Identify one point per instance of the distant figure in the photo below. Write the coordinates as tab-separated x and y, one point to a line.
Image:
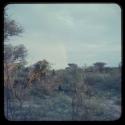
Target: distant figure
53	73
60	88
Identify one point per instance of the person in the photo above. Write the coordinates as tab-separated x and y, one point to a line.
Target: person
53	72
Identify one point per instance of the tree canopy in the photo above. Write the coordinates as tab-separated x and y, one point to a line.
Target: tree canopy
11	28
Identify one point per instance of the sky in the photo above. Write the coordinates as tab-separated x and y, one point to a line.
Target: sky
69	33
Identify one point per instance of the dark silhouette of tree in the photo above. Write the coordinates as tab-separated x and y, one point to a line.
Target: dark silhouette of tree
99	66
11	28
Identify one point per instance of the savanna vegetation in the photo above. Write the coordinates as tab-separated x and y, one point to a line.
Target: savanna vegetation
39	92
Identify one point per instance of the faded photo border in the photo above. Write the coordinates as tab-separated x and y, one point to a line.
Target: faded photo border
3	4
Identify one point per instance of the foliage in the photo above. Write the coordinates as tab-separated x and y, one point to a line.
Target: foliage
74	93
99	66
11	28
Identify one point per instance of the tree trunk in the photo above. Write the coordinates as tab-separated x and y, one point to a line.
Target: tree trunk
7	84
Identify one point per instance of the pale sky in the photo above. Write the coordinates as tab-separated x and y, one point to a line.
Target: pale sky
69	33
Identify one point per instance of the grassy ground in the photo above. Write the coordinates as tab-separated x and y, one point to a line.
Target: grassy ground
58	107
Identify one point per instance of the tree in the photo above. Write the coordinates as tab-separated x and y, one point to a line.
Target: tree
11	28
39	71
11	55
42	65
73	66
99	66
20	53
8	53
14	54
78	88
